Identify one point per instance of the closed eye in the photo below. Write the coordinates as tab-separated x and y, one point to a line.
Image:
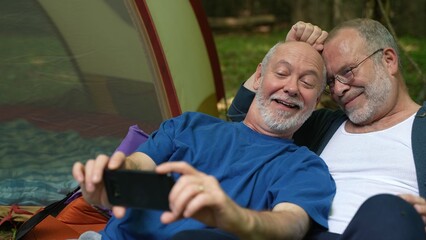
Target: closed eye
308	83
282	74
346	73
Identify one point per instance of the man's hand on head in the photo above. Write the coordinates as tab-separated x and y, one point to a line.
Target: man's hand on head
309	33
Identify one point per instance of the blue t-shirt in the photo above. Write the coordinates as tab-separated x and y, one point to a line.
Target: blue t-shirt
255	170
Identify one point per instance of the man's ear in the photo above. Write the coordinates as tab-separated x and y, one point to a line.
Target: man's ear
390	59
257	77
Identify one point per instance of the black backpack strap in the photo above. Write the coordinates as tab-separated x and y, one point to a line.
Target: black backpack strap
52	209
418	142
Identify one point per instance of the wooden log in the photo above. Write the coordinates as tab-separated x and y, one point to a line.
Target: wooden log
241	22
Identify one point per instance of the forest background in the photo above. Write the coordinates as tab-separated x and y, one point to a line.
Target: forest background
244	30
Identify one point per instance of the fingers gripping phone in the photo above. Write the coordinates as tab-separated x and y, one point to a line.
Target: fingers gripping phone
138	189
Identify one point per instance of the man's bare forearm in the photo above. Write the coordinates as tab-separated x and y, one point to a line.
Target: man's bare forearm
139	161
289	222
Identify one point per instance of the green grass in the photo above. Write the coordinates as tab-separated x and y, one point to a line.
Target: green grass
7	231
416	49
240	53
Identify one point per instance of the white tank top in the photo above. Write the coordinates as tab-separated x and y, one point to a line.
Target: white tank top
367	164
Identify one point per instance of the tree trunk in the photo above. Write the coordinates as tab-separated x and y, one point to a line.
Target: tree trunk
369	9
421	76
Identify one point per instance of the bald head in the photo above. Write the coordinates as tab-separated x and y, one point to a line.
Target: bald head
304	52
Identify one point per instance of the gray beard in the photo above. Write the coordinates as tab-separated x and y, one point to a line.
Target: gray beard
376	93
280	121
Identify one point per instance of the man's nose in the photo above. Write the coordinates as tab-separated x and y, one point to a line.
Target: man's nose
339	88
291	87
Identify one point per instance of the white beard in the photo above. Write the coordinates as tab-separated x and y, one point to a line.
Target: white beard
281	121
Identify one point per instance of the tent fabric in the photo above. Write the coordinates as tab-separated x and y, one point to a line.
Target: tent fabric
35	169
72	215
72	84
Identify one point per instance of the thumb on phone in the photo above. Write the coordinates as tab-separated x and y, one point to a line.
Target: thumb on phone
116	160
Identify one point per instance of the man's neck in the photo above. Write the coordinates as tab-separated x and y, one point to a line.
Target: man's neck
255	122
263	129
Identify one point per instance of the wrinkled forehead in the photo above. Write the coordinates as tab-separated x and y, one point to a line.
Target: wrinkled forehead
299	54
343	49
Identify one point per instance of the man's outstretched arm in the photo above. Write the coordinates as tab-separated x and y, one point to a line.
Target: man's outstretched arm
199	196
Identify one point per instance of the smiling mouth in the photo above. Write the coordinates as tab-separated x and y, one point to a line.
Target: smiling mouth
349	100
287	104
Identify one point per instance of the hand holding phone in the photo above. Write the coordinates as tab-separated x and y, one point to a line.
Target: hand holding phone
138	189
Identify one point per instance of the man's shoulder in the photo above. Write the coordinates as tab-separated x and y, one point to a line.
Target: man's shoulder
419	123
307	153
199	115
188	119
421	113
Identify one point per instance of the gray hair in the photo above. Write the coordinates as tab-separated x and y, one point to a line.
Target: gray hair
268	56
376	35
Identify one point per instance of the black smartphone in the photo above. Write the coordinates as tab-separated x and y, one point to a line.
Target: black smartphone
138	189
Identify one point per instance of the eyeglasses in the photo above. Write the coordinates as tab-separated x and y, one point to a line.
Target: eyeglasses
347	75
